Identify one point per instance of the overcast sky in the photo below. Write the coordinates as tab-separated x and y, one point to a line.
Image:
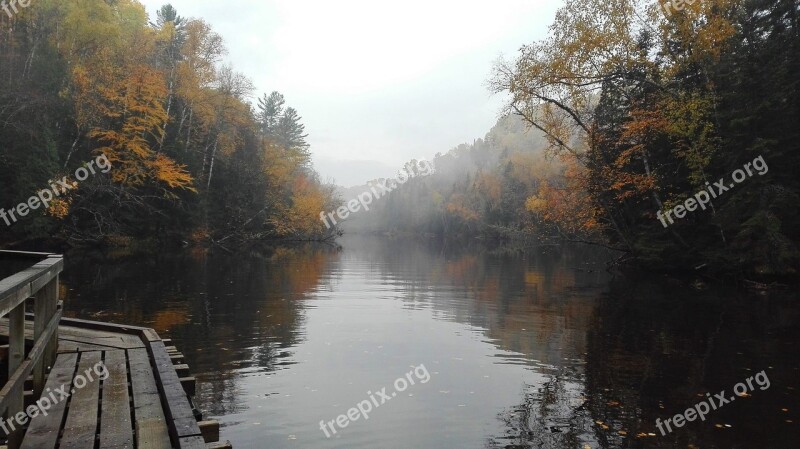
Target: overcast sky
376	82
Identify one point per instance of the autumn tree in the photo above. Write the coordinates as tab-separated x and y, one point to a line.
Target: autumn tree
188	159
638	99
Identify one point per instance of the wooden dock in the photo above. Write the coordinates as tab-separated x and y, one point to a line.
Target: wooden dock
75	384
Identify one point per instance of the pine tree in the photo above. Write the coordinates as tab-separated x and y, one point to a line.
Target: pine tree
290	133
270	112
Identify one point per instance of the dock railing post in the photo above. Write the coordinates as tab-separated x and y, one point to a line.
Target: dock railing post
44	307
16	354
39	283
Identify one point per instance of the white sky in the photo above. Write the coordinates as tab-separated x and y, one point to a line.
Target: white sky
377	83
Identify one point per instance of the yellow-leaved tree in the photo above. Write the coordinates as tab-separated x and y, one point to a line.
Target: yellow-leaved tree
119	97
135	105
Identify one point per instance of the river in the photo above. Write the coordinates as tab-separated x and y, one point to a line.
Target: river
537	349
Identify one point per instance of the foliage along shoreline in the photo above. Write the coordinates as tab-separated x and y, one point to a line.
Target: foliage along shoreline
193	160
607	125
621	113
649	109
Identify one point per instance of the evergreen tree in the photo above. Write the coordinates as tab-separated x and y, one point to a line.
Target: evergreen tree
290	133
270	112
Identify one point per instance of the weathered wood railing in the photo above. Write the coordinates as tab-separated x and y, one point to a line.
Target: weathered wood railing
38	283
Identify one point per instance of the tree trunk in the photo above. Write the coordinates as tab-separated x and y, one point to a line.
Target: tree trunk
211	165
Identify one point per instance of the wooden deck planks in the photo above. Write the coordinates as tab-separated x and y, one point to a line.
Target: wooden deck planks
179	410
89	337
81	426
74	346
44	429
192	443
116	430
117	340
150	421
140	404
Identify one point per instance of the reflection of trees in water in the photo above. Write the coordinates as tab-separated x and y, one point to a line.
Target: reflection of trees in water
228	314
218	394
551	415
537	306
657	346
254	315
651	346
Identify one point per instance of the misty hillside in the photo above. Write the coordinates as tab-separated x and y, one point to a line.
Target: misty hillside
479	187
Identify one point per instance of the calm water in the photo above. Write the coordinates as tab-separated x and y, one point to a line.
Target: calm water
538	350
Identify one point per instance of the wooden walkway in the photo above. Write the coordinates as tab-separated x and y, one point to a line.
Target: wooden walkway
136	392
75	384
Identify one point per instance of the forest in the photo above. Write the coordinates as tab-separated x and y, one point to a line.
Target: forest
193	159
591	238
625	111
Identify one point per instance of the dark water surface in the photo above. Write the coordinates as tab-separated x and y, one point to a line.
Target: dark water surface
538	350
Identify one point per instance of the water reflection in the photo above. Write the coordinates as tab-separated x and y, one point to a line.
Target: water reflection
656	347
543	348
226	314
